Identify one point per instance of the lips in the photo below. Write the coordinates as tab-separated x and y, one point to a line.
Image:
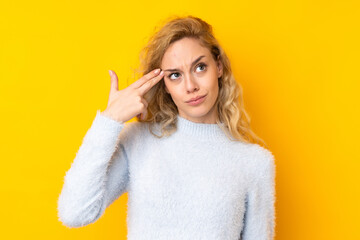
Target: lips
195	98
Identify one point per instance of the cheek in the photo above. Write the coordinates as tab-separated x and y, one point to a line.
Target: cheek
211	80
174	93
214	85
171	90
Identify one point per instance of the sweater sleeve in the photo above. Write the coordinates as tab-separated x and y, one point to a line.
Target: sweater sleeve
259	220
97	176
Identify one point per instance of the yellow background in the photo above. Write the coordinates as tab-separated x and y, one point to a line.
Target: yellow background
297	61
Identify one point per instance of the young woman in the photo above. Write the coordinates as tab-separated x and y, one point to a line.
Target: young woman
191	164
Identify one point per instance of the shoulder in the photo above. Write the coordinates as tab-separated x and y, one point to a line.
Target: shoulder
263	155
263	160
133	126
252	150
138	134
132	130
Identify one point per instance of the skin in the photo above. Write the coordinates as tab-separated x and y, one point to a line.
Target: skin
191	81
127	103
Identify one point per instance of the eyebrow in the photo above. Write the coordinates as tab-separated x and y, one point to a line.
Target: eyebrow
192	64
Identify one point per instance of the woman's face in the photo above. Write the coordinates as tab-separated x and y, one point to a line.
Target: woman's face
191	72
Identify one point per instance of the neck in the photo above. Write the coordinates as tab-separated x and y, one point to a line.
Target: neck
200	131
210	117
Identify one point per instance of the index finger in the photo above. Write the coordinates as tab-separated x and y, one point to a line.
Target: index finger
149	84
147	77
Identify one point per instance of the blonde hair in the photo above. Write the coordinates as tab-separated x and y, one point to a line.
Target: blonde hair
161	108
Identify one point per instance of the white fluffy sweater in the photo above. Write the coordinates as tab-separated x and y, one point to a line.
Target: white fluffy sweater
194	184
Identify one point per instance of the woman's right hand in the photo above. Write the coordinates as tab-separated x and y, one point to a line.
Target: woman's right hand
127	103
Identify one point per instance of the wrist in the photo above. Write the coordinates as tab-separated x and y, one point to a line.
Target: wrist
108	115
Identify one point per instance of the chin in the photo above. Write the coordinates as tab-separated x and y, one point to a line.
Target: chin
197	112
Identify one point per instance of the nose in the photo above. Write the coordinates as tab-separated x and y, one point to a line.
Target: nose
191	84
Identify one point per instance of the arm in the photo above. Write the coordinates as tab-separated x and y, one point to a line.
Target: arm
259	220
98	174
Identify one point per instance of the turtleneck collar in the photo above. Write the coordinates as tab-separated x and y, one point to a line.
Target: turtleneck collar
200	131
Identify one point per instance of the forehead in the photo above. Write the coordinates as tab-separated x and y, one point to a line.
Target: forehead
183	52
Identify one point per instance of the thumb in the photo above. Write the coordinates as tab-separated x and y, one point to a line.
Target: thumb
114	81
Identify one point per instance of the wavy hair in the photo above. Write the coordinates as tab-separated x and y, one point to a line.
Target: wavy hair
161	108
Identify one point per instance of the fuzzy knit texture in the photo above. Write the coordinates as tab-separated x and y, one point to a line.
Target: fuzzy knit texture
194	184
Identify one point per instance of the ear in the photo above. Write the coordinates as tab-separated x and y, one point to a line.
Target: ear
219	67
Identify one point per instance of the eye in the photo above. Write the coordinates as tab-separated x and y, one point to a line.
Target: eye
169	76
201	65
